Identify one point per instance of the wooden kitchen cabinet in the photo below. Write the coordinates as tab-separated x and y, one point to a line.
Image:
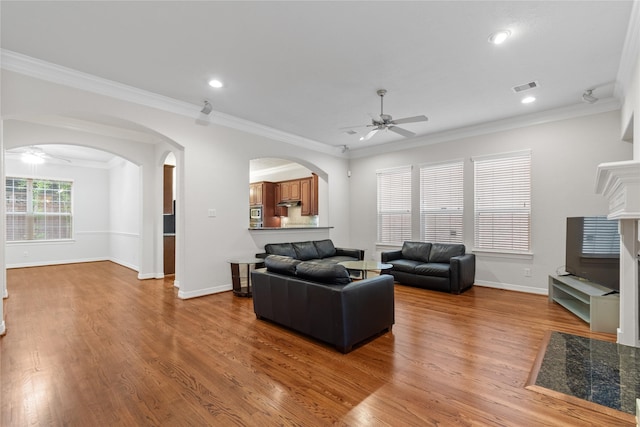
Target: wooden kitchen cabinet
309	195
255	194
167	187
169	254
279	210
290	190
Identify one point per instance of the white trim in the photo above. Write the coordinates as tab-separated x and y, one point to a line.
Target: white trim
510	287
573	111
203	292
5	294
3	328
442	162
146	276
630	52
59	262
394	169
33	67
124	264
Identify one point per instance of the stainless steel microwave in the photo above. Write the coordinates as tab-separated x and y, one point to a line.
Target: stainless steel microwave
255	212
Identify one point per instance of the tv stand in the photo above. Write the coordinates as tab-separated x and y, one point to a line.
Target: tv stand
591	302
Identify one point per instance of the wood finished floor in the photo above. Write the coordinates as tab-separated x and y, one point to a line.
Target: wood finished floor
90	345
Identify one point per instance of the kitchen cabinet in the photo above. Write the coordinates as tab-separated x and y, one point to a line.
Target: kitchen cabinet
290	190
279	210
255	194
264	193
169	254
309	195
167	190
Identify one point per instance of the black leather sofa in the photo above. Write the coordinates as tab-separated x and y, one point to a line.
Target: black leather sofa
321	301
319	251
437	266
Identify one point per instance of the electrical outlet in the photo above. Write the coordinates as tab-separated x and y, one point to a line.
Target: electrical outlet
527	272
212	213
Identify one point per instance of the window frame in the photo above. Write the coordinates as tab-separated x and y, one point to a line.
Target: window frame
446	201
501	169
35	212
388	206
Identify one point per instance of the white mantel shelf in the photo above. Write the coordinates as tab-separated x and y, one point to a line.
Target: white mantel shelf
619	182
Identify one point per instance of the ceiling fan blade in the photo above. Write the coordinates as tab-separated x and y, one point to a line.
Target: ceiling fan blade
400	131
353	127
409	120
369	135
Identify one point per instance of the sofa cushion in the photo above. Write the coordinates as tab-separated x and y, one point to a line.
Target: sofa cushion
281	264
285	249
325	248
305	250
442	252
417	251
436	269
406	265
324	273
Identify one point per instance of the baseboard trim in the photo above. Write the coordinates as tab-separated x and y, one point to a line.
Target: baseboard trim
510	287
60	262
204	292
3	329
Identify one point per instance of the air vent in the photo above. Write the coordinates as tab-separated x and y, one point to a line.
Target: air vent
526	86
351	132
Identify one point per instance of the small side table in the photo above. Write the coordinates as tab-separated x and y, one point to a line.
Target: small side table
242	284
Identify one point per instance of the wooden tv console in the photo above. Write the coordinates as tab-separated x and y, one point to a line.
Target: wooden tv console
593	303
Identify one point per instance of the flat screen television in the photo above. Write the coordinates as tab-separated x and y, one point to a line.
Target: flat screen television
593	250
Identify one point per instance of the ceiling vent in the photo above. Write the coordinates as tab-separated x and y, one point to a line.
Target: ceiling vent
526	86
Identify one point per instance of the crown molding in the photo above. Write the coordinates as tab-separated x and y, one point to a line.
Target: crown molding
548	116
33	67
630	52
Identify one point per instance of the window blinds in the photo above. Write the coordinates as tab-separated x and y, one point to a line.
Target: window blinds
503	202
600	236
394	205
441	202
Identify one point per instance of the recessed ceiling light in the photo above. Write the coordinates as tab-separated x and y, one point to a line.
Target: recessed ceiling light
528	100
215	83
499	36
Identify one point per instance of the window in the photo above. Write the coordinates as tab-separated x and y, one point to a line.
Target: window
503	202
600	236
38	209
441	202
394	205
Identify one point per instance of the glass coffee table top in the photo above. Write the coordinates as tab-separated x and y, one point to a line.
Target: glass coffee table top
365	266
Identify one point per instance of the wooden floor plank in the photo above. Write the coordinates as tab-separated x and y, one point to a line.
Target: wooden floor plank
89	344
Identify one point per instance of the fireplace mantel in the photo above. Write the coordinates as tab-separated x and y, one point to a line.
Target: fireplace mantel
619	182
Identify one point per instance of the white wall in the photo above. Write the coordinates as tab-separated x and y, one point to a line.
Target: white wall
565	155
212	173
90	216
124	213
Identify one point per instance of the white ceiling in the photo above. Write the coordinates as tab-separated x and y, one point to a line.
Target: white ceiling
311	68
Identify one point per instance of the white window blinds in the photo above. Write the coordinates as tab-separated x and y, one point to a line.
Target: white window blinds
503	202
600	236
394	205
37	209
441	202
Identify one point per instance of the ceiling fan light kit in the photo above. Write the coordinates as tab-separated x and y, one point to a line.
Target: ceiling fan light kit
386	121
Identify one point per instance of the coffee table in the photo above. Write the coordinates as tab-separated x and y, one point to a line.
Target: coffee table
365	266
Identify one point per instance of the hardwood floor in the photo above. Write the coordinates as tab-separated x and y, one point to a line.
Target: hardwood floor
90	345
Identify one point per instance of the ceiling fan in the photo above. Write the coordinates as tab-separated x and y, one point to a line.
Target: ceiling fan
386	121
34	154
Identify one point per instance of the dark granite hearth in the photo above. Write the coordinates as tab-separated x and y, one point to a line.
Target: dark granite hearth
594	371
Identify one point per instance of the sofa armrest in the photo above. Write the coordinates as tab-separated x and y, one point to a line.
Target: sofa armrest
463	272
390	255
354	253
367	308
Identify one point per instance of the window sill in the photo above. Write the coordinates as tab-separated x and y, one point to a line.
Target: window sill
41	242
489	253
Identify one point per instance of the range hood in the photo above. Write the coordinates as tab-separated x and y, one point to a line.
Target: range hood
289	203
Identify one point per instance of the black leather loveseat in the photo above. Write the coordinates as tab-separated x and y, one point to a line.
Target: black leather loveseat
319	251
438	266
321	301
